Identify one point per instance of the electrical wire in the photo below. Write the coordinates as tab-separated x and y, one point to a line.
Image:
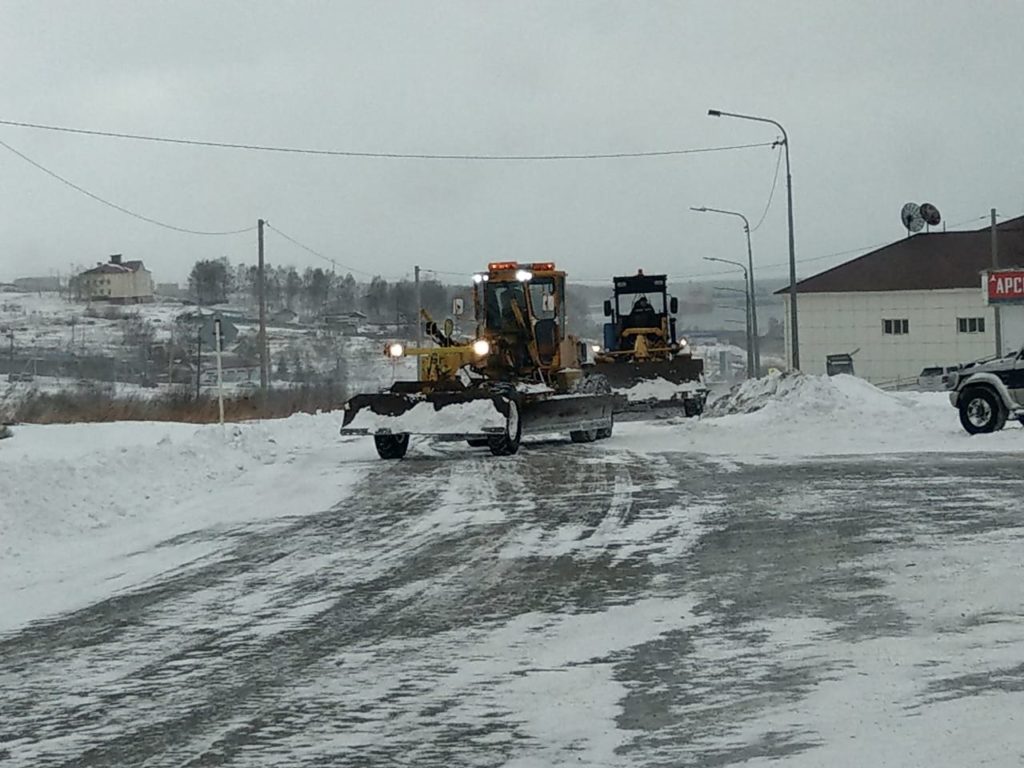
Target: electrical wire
771	194
115	206
385	155
317	253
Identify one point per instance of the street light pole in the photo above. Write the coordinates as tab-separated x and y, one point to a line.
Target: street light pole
746	289
794	331
753	289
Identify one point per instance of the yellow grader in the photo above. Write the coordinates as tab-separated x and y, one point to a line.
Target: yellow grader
520	373
649	368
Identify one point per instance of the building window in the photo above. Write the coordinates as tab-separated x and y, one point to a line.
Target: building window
896	327
970	325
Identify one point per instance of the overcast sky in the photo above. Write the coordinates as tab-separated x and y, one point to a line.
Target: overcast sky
884	103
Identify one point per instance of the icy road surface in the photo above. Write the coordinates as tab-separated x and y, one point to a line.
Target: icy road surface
572	605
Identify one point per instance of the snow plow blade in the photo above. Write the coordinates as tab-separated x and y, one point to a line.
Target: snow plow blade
656	388
466	415
454	415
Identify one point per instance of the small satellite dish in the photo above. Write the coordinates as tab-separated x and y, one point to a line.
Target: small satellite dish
911	216
930	214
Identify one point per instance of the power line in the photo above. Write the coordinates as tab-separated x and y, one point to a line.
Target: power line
386	155
771	194
317	253
113	205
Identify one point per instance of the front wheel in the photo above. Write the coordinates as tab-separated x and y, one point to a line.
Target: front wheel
981	411
605	432
507	443
391	446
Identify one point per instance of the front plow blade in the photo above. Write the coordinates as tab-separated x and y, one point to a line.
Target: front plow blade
453	415
656	389
567	413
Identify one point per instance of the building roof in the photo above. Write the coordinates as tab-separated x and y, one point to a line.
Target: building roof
119	269
931	261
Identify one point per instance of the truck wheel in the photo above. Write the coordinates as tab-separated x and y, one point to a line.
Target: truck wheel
981	411
605	432
391	446
508	443
693	408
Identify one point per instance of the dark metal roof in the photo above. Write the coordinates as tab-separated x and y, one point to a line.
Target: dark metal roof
931	261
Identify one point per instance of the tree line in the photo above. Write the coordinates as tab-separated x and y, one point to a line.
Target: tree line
315	291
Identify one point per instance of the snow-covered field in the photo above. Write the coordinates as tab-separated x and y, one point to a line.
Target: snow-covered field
811	578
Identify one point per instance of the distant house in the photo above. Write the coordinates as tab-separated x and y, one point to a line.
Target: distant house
346	322
284	316
10	288
38	284
117	281
170	290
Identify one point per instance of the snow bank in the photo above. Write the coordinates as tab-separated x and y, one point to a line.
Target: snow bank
784	416
77	500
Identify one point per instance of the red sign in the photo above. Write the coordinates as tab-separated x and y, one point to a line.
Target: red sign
1005	286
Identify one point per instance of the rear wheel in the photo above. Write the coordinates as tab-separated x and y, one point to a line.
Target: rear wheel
507	443
605	432
981	411
391	446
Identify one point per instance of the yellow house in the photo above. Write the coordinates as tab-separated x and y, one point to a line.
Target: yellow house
117	281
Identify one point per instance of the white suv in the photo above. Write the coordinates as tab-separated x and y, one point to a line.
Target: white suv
988	392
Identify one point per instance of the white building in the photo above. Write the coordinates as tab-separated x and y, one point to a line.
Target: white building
913	304
117	281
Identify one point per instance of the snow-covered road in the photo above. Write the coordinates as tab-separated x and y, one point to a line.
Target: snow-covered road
634	602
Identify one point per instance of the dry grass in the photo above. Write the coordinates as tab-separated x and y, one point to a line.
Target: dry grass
93	405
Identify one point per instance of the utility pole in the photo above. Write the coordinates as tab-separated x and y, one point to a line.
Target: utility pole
998	321
419	308
199	354
261	336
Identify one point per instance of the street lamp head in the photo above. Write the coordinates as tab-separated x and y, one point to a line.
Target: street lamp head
714	113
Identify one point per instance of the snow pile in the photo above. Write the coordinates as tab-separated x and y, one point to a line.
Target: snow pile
801	395
789	416
75	500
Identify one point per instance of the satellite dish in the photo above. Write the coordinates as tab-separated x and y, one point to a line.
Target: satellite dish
911	216
930	214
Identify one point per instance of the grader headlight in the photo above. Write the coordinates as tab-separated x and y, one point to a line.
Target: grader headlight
395	350
481	347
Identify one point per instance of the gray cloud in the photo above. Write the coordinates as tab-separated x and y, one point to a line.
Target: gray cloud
883	104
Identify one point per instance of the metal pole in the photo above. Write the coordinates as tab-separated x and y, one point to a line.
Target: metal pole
746	291
998	320
220	370
753	302
794	334
261	337
199	354
419	309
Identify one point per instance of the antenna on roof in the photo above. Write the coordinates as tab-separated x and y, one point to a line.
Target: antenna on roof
910	214
930	214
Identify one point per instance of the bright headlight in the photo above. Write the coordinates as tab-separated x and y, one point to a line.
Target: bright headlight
595	347
523	275
682	342
478	278
396	350
481	347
